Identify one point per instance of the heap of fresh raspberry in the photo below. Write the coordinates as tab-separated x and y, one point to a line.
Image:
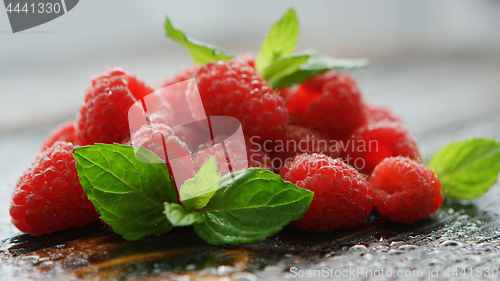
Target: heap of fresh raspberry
234	89
372	143
63	132
404	190
236	156
160	139
378	113
103	116
329	103
298	140
342	196
49	197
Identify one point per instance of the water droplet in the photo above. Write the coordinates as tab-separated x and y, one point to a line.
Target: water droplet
358	247
395	252
396	243
450	243
407	247
244	276
224	270
189	267
367	256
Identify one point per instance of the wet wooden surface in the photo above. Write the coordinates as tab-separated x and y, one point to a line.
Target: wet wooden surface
440	99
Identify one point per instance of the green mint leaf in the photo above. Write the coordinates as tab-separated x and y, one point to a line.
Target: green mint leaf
467	169
196	192
282	67
128	193
179	216
317	64
279	42
250	206
201	53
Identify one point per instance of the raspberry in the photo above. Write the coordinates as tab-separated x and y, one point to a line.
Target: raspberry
286	93
160	139
329	103
254	156
342	196
184	74
63	132
378	113
404	190
103	116
298	140
257	157
49	197
234	89
372	143
248	58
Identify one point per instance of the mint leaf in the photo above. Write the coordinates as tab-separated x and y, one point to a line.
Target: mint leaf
179	216
316	64
279	42
467	169
251	206
196	192
201	53
282	67
128	193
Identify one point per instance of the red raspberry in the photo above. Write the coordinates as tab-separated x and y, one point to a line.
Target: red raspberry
49	197
103	116
160	139
258	157
254	157
342	196
329	103
248	58
184	74
404	190
298	140
234	89
63	132
372	143
378	113
286	93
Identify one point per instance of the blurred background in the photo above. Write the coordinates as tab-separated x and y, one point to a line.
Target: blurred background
436	63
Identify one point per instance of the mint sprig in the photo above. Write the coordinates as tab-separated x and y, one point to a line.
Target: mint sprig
279	42
277	64
179	216
314	65
248	207
196	192
201	53
275	60
283	67
467	169
128	193
134	194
